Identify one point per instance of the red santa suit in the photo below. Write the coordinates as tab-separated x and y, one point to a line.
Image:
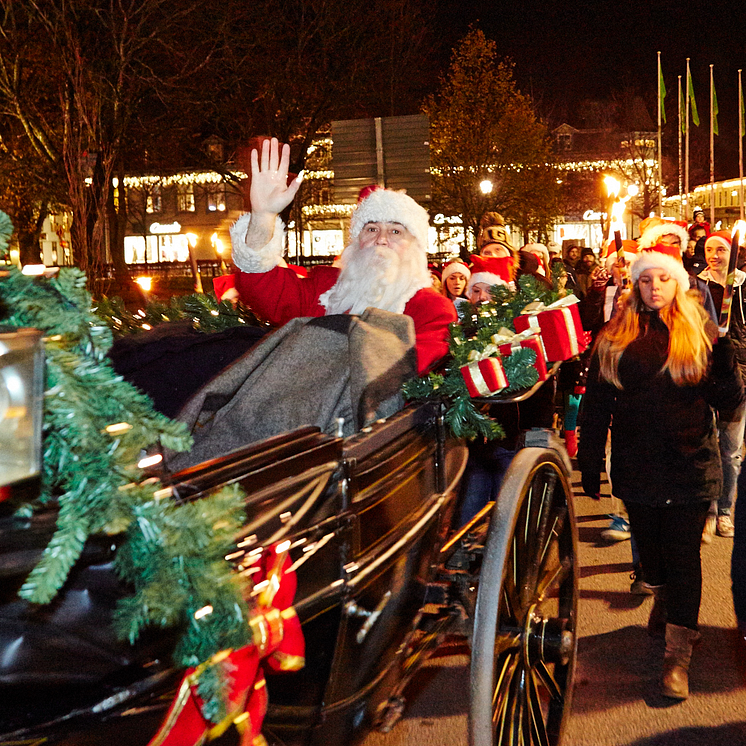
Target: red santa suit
280	295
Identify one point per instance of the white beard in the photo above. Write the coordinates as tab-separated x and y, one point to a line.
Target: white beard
378	277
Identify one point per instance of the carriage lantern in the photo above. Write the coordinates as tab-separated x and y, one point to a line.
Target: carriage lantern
21	404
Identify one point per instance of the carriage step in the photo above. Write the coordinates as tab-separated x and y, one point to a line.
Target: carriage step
389	713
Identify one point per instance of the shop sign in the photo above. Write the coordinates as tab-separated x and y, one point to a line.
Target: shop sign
592	215
165	227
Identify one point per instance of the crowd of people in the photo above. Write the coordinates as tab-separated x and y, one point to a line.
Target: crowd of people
657	401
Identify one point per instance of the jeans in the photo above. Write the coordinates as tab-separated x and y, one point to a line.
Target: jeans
668	539
482	482
730	437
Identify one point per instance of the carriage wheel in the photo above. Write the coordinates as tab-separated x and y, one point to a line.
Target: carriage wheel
524	642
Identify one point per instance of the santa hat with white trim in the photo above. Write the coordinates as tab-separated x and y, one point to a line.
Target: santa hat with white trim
491	270
720	238
389	206
653	235
661	256
454	267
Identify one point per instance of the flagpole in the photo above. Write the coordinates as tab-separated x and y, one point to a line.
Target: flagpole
712	147
681	172
686	148
740	143
660	141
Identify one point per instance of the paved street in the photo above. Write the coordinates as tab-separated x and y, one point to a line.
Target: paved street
616	701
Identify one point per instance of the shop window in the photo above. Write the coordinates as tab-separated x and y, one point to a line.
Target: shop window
216	198
185	198
153	201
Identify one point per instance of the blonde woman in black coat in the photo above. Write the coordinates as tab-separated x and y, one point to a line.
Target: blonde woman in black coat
658	374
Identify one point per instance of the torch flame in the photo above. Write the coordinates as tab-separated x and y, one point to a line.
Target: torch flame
739	232
612	186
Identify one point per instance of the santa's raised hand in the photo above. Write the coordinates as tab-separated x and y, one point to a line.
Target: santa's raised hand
270	192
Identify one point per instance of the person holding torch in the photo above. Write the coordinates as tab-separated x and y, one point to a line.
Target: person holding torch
659	370
726	285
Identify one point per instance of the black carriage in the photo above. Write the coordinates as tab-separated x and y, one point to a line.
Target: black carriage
384	578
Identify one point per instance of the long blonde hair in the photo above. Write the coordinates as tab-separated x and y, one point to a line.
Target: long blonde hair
689	345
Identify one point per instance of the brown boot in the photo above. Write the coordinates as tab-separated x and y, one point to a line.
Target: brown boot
658	614
675	680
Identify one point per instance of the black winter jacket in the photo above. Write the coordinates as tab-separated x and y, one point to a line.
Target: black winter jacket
664	448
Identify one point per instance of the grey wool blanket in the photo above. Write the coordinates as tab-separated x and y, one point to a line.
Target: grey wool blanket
309	372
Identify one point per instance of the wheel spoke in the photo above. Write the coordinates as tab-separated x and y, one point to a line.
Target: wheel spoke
505	642
549	681
501	698
513	708
537	546
538	726
554	578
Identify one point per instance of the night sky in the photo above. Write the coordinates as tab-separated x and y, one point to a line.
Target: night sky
566	52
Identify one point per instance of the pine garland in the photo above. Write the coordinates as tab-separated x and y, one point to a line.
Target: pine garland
477	324
172	554
204	310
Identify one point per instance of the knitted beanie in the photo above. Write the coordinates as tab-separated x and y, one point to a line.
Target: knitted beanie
661	256
389	206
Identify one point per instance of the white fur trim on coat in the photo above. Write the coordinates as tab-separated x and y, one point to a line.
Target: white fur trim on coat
656	260
653	235
248	259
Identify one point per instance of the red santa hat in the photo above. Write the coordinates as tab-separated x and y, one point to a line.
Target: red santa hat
389	206
720	239
653	234
456	267
491	270
661	256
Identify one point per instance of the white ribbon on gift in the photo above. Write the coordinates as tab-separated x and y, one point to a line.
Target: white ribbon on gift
538	306
533	309
479	382
503	337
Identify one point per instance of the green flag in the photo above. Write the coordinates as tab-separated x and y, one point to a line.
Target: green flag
714	110
690	94
662	90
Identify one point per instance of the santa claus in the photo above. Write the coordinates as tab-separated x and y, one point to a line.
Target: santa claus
384	265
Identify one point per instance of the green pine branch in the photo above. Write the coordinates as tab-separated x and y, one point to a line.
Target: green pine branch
203	310
171	554
473	333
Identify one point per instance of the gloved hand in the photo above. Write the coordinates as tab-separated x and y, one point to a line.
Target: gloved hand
592	484
723	357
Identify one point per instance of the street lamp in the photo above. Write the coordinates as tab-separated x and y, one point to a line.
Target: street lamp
485	186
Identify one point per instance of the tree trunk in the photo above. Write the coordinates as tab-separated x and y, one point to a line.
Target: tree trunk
116	214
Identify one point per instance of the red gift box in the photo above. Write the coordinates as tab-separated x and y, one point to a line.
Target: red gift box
484	377
562	333
533	343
